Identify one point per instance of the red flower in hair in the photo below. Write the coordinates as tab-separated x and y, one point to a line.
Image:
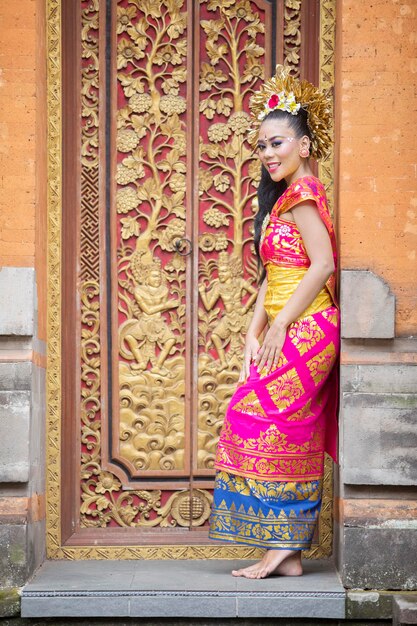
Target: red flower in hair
273	101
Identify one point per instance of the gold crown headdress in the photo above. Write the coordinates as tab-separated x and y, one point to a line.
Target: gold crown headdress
287	93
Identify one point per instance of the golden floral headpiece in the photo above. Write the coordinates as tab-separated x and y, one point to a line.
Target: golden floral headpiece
286	93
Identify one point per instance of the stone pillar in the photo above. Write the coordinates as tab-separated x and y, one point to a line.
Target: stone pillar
22	418
376	500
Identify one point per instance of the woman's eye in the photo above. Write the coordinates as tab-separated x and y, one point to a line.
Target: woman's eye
276	144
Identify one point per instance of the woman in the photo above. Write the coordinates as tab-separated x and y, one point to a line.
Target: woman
283	414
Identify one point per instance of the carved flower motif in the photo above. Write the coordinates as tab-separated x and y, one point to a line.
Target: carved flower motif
221	241
124	18
130	227
254	172
253	69
126	200
128	513
140	102
107	482
126	52
177	183
213	5
205	181
218	132
207	242
171	54
127	140
214	217
173	104
221	182
239	122
174	230
241	10
210	76
124	175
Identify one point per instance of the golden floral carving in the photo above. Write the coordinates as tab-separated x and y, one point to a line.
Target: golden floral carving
232	66
54	287
292	35
151	177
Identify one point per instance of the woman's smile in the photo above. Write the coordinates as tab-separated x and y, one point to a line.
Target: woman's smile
272	167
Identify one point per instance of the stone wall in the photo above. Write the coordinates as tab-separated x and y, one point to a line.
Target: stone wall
22	433
376	180
376	505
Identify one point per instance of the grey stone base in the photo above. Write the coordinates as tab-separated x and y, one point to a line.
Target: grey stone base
132	621
13	558
180	589
380	557
9	602
404	610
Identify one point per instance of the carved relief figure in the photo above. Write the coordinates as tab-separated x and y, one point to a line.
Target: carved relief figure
140	338
229	287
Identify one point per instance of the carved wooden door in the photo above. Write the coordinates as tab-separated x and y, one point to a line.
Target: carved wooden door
159	198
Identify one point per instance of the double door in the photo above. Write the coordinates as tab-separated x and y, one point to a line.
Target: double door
158	260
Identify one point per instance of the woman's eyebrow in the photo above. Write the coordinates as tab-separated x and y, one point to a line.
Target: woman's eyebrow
272	138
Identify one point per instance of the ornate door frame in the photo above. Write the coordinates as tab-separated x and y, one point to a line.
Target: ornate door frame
61	541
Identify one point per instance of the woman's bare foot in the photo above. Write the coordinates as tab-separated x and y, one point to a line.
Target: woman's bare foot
282	562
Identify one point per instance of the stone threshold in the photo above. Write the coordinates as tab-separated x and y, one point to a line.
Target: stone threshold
180	589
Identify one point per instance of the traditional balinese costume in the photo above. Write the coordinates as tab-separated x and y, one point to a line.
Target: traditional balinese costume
278	425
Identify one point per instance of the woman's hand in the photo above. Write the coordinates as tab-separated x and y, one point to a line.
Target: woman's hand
251	349
271	348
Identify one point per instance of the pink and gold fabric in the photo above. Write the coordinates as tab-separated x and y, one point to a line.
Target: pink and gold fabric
278	425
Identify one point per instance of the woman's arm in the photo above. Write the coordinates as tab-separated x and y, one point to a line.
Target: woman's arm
319	249
259	318
258	323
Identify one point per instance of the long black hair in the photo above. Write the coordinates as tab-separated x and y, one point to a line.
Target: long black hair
268	190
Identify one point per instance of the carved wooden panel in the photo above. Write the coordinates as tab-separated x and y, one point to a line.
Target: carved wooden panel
153	52
234	56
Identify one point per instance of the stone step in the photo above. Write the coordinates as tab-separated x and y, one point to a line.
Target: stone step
404	610
189	589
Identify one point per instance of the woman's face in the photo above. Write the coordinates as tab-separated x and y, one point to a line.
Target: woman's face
279	151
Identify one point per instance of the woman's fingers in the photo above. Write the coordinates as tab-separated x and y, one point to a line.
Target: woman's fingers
266	357
248	359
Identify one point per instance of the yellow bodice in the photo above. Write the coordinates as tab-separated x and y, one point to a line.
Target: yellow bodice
282	282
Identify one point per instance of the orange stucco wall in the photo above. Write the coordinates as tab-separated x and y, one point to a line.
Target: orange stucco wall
23	141
17	132
376	66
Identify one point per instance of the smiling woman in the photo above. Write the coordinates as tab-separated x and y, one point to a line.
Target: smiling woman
283	414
